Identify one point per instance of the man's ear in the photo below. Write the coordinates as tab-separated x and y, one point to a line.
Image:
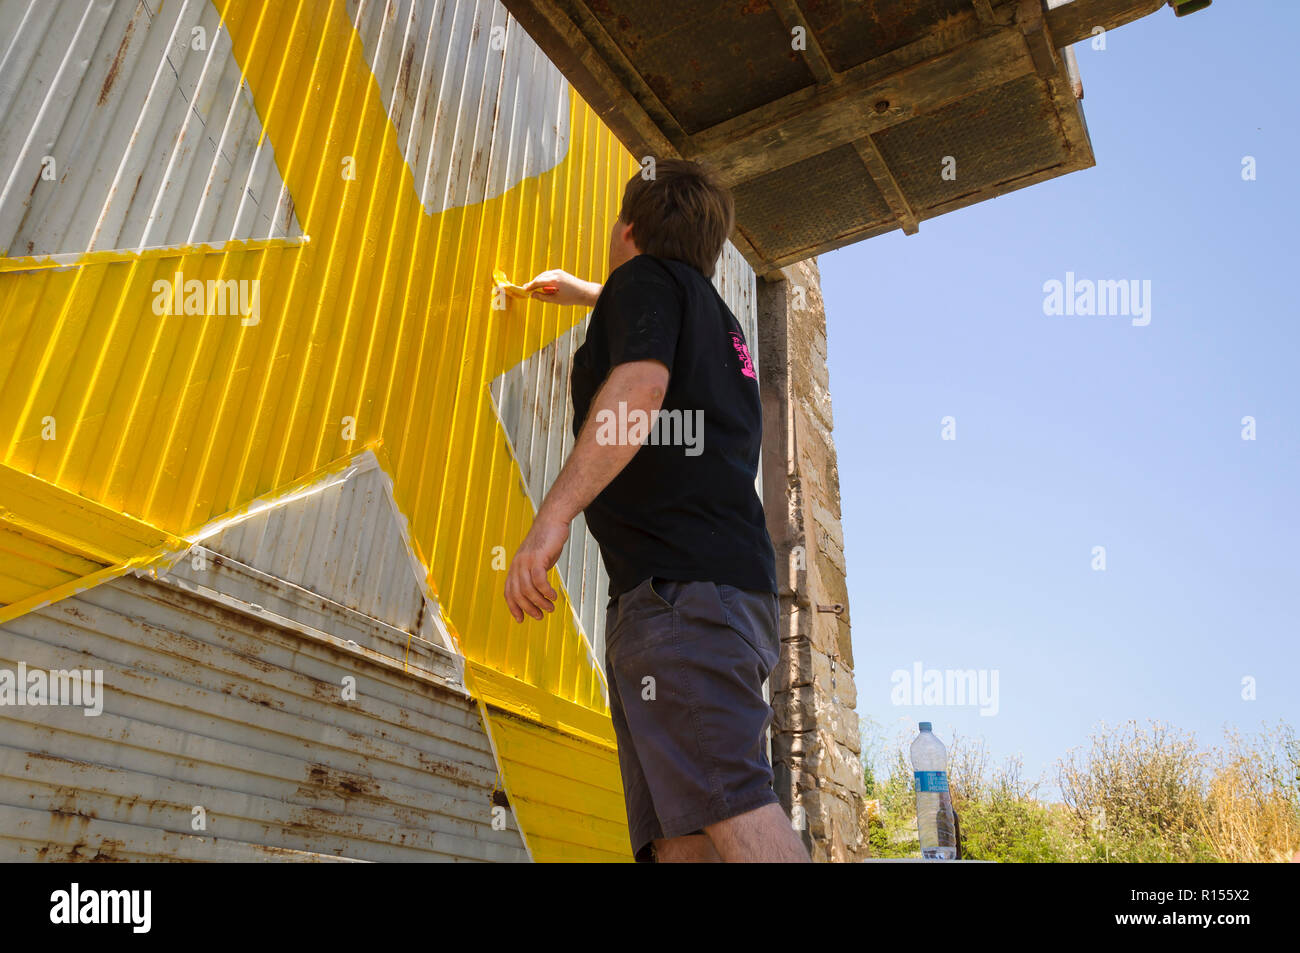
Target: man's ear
629	236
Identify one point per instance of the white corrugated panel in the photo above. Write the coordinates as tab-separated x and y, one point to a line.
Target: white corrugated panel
127	125
734	280
450	73
213	708
344	539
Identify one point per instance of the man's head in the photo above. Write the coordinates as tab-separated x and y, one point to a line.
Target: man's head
681	213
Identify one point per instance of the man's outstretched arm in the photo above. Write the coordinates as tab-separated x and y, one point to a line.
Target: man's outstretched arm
638	385
565	289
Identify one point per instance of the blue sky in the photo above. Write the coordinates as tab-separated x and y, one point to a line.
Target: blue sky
1076	432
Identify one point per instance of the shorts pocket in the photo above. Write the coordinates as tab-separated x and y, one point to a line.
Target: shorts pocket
754	616
664	591
643	618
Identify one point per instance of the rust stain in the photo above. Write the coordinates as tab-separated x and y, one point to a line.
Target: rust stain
117	63
660	85
138	179
447	769
341	782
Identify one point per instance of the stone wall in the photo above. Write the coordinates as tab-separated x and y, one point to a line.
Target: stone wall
815	742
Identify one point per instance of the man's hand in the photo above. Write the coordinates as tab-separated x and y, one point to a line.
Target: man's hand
568	289
639	385
527	588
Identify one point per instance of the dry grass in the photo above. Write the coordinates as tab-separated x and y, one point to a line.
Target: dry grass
1134	794
1251	811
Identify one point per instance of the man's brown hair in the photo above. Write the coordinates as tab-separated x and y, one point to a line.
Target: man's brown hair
682	213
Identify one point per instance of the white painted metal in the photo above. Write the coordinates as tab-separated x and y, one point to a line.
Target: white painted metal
126	124
454	76
346	540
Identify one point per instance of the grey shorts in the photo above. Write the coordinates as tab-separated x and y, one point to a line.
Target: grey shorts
686	662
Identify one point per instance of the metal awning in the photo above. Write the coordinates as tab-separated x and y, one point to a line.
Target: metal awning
837	120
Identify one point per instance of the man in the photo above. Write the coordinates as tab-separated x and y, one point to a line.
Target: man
691	627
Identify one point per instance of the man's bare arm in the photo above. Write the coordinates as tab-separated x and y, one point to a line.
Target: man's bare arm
638	385
567	289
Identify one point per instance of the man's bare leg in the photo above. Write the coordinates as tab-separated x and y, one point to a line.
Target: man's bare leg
763	835
690	849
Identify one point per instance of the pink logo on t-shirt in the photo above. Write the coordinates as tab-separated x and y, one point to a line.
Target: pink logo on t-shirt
746	365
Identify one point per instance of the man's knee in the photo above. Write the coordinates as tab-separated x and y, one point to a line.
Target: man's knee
762	835
689	849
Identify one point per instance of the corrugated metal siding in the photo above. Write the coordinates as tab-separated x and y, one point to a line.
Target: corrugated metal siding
50	538
206	705
345	540
154	143
551	772
442	83
735	281
384	318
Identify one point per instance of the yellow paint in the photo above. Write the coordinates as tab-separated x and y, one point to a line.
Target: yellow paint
53	541
82	259
509	287
549	774
383	318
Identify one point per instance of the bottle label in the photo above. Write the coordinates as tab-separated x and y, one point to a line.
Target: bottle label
935	781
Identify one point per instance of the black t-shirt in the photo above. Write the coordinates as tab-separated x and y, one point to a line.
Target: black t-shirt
685	506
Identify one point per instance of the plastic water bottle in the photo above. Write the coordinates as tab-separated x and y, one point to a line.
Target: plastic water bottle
934	822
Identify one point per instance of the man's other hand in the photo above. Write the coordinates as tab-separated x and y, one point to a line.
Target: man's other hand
527	588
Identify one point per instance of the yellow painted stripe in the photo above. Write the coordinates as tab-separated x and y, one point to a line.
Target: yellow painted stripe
565	792
542	707
111	256
71	522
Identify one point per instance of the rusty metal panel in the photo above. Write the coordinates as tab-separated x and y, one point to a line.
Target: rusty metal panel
850	36
1001	126
210	710
127	125
832	182
703	61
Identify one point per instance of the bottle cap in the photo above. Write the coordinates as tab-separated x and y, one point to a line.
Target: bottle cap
926	726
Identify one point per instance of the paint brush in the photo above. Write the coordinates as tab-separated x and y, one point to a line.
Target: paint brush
514	290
